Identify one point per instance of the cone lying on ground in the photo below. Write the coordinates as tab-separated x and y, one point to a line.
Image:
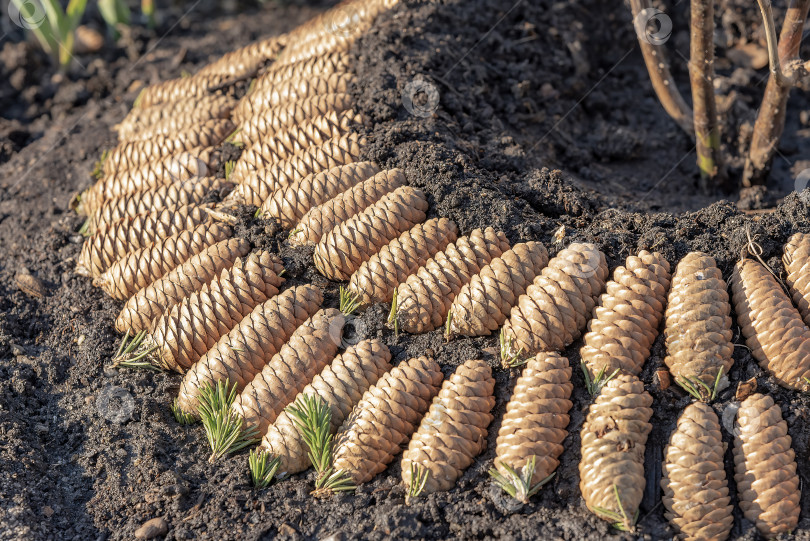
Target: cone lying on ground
320	220
773	329
536	419
696	495
377	278
626	319
797	265
698	322
341	252
140	268
341	385
425	298
614	437
172	117
325	44
289	114
150	302
131	233
765	467
320	66
176	89
190	329
242	353
259	185
385	418
246	60
555	308
311	347
289	204
483	305
171	196
454	431
293	140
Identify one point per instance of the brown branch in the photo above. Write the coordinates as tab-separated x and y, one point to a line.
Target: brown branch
658	69
786	71
701	75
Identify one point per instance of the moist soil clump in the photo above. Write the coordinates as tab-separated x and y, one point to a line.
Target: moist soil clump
537	120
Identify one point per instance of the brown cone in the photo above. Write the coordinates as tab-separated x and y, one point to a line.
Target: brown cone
320	66
797	265
172	117
454	431
246	60
181	88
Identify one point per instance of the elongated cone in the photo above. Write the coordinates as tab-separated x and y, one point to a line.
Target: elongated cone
246	60
175	89
259	185
385	418
293	140
341	385
190	329
797	265
555	308
483	305
140	268
765	467
175	116
310	349
136	154
131	233
325	44
426	296
377	279
171	196
320	220
335	62
694	479
773	329
242	353
289	204
698	322
454	431
626	319
141	310
350	244
536	419
614	437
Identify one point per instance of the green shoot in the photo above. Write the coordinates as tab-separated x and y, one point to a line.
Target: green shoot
181	416
508	358
518	485
333	481
148	11
448	325
619	520
137	103
224	429
294	232
262	467
114	13
392	315
258	213
598	382
232	137
55	29
698	388
229	165
98	167
129	357
419	477
349	301
85	228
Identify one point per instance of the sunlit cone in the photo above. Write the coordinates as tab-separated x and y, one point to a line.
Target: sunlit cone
797	265
180	88
246	60
323	65
175	116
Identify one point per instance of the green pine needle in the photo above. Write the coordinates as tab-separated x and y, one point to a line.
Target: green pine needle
137	103
392	315
598	382
349	301
263	467
229	165
508	358
698	388
181	416
294	232
332	481
98	167
448	333
313	418
518	485
619	520
224	429
419	477
128	356
85	229
258	213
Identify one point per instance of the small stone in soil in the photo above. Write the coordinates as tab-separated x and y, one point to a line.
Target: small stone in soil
152	528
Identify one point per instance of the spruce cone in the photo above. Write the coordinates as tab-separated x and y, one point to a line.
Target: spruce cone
242	353
614	437
454	431
257	103
536	419
350	244
694	480
797	265
377	279
289	204
320	66
320	220
341	385
555	308
175	116
625	321
325	44
144	307
289	114
773	329
483	305
385	418
698	325
426	296
311	347
259	185
187	331
247	60
131	233
765	467
140	268
180	88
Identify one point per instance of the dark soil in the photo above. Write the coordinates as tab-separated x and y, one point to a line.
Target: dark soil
545	120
